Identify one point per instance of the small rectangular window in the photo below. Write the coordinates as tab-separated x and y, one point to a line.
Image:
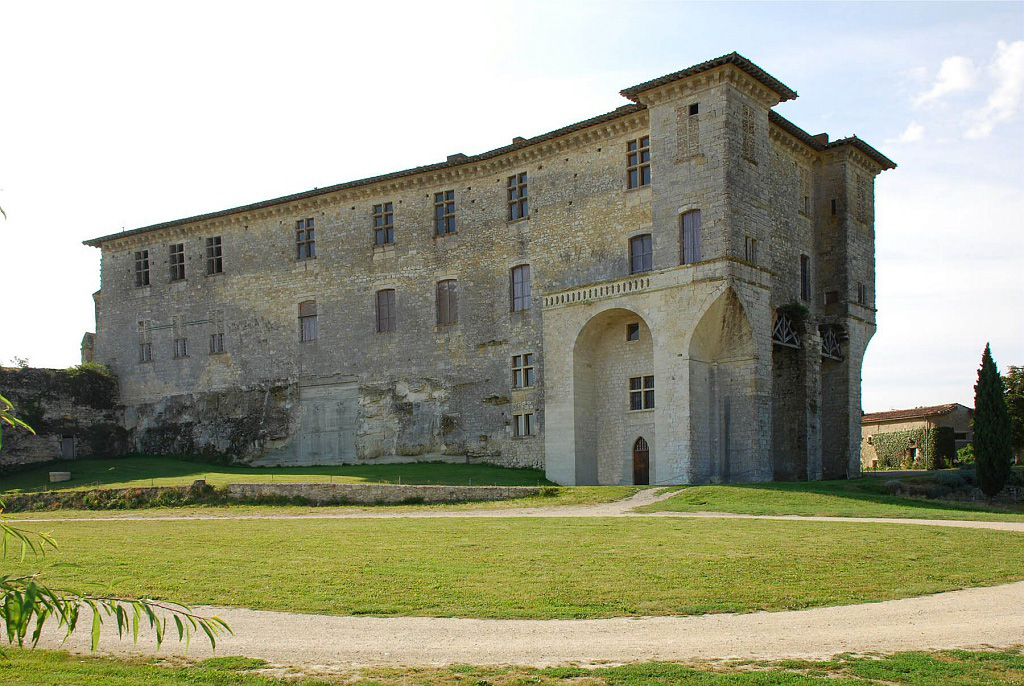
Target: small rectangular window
641	254
145	341
447	302
141	268
520	288
216	331
177	262
862	294
307	321
214	256
181	347
805	278
384	224
750	250
690	239
641	393
834	208
444	213
694	108
831	297
386	314
523	424
518	203
632	332
305	239
522	371
638	162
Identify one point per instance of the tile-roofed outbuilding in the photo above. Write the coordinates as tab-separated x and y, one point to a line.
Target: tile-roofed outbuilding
912	413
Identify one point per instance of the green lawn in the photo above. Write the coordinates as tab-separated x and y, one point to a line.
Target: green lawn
945	668
864	497
133	472
541	568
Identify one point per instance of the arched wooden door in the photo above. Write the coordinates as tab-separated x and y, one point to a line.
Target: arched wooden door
641	463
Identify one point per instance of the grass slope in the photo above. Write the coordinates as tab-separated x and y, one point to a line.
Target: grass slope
131	472
945	668
524	568
864	497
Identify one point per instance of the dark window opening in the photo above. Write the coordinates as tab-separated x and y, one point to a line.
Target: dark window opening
694	108
384	224
444	213
522	371
305	239
805	277
447	302
141	268
387	316
641	393
638	162
177	262
521	288
632	332
214	255
641	254
307	321
518	203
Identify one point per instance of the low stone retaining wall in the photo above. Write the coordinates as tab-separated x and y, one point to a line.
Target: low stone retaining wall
376	494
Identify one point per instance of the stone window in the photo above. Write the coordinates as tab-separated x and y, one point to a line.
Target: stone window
862	294
523	425
214	256
141	268
748	133
444	213
307	321
632	332
177	262
688	130
145	340
690	238
216	332
180	337
638	162
387	315
641	393
522	371
805	278
805	191
305	239
518	203
520	288
384	224
831	297
641	254
447	302
750	250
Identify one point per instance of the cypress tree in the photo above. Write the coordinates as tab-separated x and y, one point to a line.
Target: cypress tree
992	446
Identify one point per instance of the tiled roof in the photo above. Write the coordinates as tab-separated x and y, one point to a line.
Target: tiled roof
454	161
734	58
804	137
913	413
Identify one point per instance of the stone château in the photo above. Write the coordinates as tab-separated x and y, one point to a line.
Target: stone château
678	291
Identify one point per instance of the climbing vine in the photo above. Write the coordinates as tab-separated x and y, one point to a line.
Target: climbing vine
894	449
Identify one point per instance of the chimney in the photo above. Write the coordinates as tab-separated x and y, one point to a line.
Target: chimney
457	157
517	140
820	138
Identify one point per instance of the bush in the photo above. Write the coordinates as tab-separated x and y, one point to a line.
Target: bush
965	455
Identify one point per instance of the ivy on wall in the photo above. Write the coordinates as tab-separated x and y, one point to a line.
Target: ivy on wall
894	449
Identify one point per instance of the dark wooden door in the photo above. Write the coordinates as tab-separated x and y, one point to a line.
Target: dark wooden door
641	463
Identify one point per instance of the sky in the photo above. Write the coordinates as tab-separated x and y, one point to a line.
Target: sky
118	115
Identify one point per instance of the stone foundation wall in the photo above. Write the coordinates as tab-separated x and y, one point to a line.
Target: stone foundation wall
378	494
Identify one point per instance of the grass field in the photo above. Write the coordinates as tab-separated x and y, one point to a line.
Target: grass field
864	497
945	668
524	568
133	472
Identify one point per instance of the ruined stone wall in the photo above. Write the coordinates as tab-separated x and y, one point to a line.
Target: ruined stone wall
74	413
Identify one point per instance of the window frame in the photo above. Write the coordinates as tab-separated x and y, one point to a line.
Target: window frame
641	393
214	255
520	291
447	302
805	278
524	371
524	424
642	260
638	162
444	213
750	249
632	332
308	321
383	216
176	261
517	197
305	239
691	237
142	266
387	315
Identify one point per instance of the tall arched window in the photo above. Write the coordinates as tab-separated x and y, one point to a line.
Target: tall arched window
690	238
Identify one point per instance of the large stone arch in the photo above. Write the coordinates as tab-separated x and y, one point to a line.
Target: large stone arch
603	361
723	399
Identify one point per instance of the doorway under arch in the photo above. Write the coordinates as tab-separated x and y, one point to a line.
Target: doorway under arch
641	463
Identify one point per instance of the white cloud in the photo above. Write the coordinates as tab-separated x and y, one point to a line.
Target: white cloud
912	134
956	74
1004	102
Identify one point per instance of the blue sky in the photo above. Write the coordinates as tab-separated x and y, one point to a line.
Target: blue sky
118	115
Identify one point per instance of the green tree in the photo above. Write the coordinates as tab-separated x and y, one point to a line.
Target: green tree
992	450
27	603
1013	385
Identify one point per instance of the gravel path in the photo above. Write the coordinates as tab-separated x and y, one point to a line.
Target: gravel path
971	618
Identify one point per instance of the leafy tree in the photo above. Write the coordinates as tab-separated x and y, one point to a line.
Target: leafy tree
1013	384
992	449
27	603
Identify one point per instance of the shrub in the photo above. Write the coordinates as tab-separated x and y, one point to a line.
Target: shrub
965	455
